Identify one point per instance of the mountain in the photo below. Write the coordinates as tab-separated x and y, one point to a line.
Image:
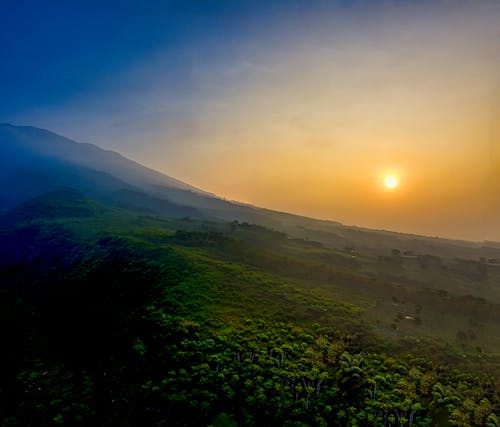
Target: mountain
124	302
40	143
36	161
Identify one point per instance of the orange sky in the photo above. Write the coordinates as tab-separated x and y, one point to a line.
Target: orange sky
314	123
306	113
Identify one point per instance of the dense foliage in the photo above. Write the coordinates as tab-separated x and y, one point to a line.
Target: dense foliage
107	331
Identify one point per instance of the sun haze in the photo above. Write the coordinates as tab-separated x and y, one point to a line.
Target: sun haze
391	182
291	106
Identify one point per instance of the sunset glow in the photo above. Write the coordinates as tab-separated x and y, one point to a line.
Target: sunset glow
300	108
390	182
250	213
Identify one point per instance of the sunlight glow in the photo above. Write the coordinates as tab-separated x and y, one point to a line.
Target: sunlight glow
390	182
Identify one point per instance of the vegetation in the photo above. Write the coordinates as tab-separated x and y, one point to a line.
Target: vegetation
116	318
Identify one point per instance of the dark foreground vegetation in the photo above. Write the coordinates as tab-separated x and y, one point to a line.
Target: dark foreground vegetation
112	318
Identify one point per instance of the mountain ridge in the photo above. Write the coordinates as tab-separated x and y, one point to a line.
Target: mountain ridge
60	143
102	173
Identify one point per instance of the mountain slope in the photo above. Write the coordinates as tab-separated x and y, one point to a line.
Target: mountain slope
106	313
114	313
41	142
35	161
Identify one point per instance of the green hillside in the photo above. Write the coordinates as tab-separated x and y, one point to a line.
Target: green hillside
116	317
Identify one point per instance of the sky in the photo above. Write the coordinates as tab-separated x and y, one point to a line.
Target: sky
300	106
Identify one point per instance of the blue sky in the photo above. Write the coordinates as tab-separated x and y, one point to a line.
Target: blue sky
53	51
300	106
64	62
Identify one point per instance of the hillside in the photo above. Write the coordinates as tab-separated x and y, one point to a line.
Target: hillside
36	161
123	317
130	298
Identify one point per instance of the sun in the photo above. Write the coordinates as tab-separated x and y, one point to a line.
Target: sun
390	182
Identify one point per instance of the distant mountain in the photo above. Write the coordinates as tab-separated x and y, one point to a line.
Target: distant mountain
40	143
35	161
